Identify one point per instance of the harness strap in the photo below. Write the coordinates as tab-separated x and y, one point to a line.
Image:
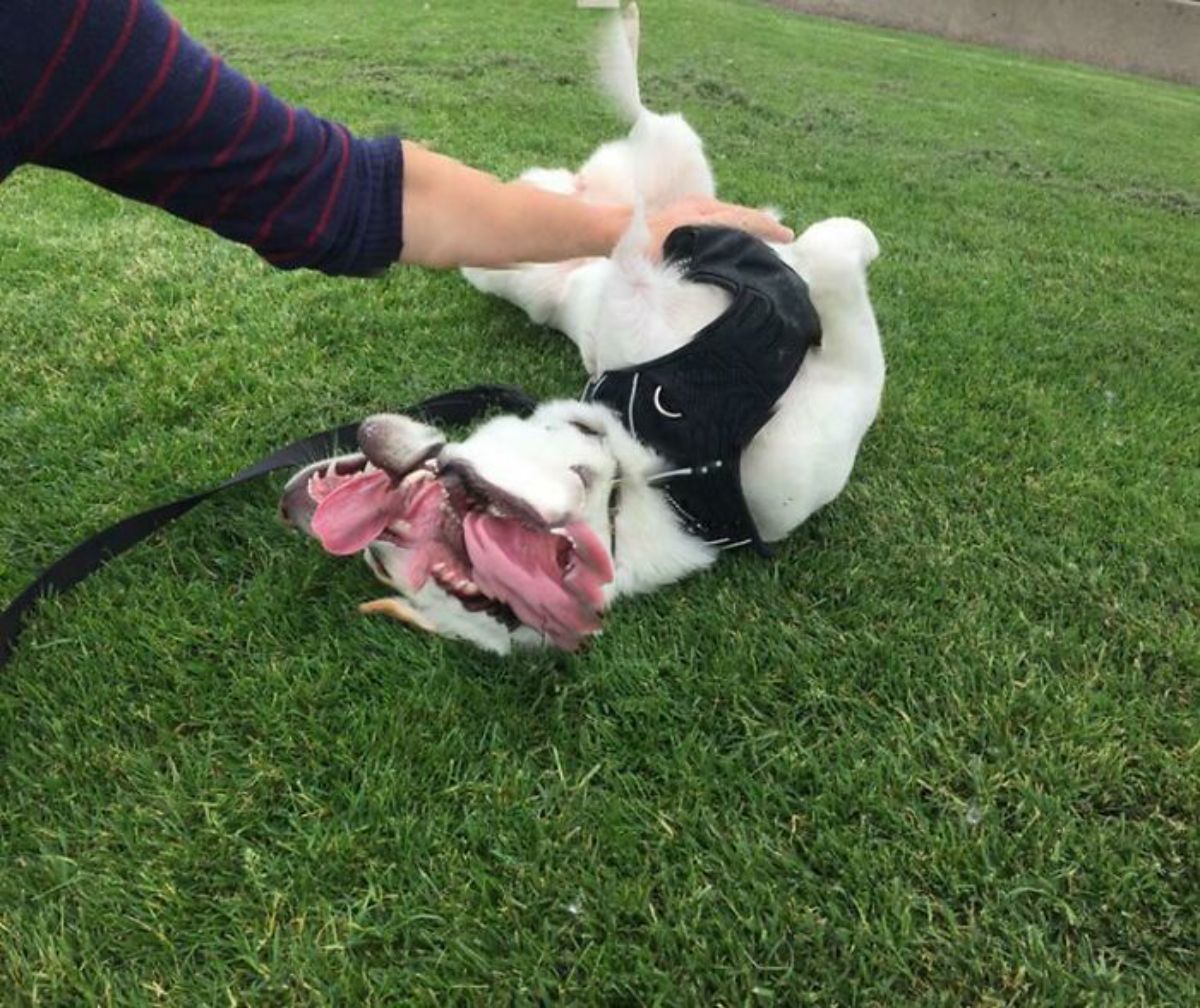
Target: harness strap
457	407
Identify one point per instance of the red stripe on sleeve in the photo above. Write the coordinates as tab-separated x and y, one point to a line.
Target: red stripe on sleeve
330	200
247	123
180	180
135	162
110	61
266	168
265	230
39	89
151	92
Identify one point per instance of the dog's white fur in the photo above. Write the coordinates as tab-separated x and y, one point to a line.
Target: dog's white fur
627	309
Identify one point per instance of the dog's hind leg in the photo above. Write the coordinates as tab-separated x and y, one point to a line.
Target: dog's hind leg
833	255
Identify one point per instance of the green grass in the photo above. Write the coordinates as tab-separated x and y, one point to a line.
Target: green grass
944	750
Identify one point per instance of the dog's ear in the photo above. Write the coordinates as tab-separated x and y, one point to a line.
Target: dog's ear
398	443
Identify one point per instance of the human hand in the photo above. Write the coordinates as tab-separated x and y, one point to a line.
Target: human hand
705	210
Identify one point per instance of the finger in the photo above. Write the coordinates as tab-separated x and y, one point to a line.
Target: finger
758	224
767	227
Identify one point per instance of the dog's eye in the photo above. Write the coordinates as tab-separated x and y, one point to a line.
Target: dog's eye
585	428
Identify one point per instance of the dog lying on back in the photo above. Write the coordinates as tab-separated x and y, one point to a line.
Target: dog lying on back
731	384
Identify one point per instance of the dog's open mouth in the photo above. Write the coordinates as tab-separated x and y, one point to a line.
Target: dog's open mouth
480	544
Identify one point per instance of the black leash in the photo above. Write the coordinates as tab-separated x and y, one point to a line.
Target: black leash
458	407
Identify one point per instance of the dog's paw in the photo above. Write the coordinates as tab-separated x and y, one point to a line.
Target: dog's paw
842	238
398	609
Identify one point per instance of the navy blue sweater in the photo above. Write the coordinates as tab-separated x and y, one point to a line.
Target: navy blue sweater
115	91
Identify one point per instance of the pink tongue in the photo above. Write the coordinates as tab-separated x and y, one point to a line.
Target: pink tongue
521	567
354	514
510	562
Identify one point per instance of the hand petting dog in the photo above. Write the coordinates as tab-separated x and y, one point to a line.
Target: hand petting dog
455	215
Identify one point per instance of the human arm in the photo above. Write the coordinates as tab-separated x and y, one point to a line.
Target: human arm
455	215
116	92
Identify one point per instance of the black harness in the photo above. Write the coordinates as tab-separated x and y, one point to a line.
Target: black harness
701	405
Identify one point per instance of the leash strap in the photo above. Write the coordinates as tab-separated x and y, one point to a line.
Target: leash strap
458	407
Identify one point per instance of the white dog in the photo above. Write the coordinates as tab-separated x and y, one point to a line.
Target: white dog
524	532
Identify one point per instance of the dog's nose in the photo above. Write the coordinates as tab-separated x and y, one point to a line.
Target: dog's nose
397	444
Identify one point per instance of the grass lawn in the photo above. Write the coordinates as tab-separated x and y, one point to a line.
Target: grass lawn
944	750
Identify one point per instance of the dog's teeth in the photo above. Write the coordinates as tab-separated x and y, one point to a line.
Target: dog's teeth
400	527
369	467
469	587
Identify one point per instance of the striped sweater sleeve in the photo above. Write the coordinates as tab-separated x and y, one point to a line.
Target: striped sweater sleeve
116	92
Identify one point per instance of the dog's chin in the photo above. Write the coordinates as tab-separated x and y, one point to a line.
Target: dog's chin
452	542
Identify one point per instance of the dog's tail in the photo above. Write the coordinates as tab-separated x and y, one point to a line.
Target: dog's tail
619	63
